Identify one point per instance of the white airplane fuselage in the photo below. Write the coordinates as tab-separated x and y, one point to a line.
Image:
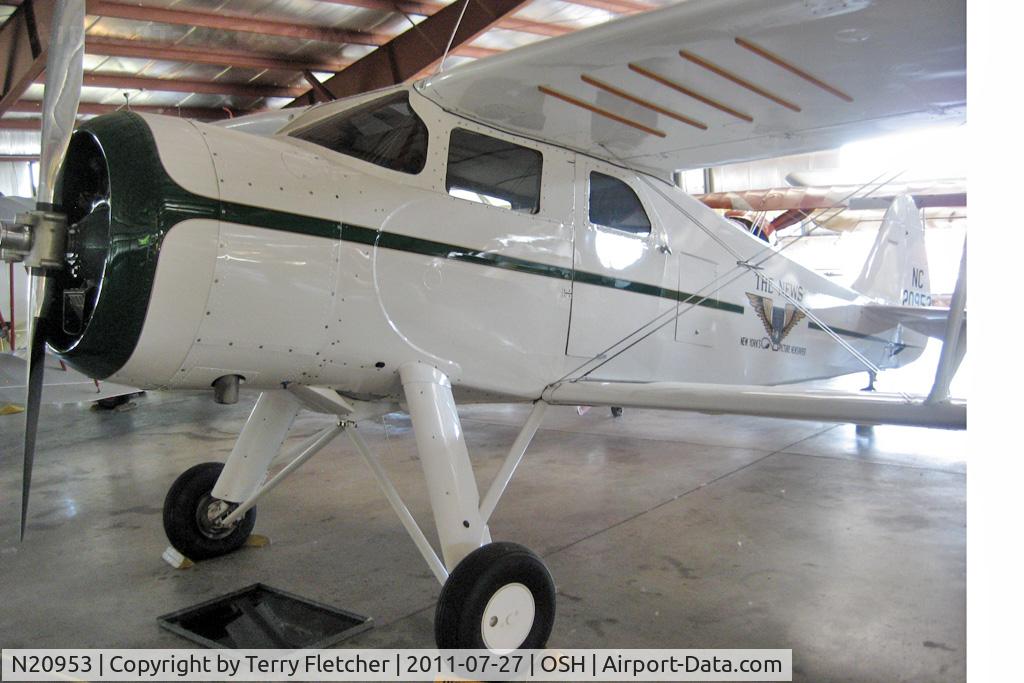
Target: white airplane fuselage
288	263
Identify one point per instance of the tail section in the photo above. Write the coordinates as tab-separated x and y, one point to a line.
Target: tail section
896	270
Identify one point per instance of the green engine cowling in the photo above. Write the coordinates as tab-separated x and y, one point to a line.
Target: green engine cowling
120	202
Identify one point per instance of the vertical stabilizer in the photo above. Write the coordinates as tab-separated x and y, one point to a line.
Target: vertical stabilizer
896	270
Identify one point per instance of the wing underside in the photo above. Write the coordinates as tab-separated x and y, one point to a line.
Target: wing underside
707	82
782	402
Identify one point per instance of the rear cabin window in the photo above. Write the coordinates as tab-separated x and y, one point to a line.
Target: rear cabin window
385	132
614	204
494	172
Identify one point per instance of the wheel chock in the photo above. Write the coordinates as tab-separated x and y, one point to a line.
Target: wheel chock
257	541
176	559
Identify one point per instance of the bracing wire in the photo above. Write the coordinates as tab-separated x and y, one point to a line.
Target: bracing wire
743	266
451	39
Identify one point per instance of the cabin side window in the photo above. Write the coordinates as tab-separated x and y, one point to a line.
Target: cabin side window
385	132
614	204
493	172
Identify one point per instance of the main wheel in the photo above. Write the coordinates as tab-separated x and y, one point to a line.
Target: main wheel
500	598
190	511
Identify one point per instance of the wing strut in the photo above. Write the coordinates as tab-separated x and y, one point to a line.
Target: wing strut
954	345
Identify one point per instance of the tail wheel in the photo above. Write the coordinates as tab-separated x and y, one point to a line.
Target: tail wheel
500	598
190	512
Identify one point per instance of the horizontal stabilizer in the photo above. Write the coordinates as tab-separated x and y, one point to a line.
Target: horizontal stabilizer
785	402
926	320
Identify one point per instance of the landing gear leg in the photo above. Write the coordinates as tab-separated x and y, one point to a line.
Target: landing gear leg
872	376
204	495
498	596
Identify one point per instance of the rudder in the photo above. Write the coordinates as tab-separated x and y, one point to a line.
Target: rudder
896	270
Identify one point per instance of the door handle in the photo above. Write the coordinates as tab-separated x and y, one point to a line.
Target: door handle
665	249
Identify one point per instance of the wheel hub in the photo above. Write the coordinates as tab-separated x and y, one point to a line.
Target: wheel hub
209	512
508	618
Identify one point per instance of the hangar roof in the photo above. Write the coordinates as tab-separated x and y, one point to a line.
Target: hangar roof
220	59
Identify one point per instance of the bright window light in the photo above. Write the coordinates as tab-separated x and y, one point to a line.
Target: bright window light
927	153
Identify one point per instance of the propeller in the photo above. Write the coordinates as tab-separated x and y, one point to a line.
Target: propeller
45	231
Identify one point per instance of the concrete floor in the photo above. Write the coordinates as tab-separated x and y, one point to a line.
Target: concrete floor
661	530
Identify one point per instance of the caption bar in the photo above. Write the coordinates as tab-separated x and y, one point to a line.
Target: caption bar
397	665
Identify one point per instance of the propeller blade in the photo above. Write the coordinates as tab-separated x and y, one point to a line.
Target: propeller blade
60	108
62	91
34	394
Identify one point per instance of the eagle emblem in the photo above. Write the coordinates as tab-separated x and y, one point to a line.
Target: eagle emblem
778	322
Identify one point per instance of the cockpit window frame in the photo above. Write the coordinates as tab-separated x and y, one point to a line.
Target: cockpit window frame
421	135
639	234
463	191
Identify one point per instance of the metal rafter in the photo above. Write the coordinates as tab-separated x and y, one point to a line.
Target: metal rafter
232	22
95	109
23	41
189	86
417	48
426	9
246	59
617	6
121	10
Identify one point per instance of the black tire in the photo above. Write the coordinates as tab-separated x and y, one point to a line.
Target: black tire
475	580
182	522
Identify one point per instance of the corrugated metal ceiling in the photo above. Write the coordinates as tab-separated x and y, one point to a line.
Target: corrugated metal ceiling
328	55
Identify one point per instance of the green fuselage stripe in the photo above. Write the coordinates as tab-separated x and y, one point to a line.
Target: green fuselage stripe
416	245
347	232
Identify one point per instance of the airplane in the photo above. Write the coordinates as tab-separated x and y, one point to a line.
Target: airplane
502	231
64	384
839	205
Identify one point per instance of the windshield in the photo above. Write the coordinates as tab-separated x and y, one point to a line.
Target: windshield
385	132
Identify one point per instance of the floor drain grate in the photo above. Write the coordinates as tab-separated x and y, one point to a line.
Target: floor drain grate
263	617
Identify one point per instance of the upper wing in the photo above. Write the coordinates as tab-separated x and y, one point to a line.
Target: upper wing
707	82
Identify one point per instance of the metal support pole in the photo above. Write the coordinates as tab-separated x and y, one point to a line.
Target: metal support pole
512	460
422	544
307	450
952	349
